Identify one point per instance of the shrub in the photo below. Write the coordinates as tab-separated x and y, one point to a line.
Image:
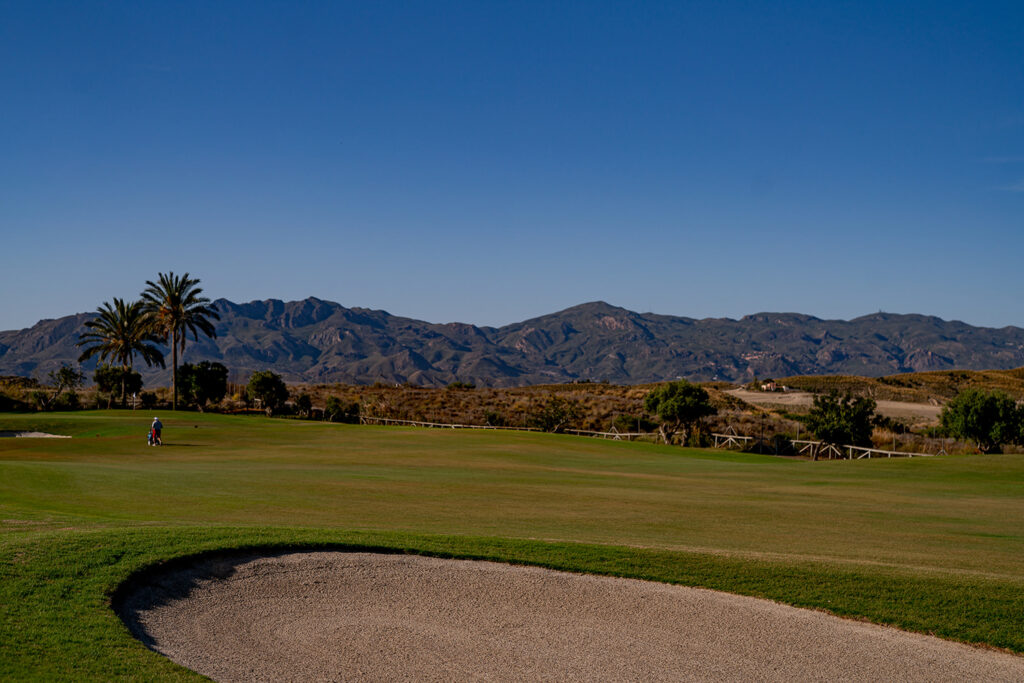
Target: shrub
554	414
680	406
783	444
304	404
10	404
495	419
891	424
269	389
842	420
625	423
697	438
113	381
987	419
69	400
65	379
337	410
202	383
39	399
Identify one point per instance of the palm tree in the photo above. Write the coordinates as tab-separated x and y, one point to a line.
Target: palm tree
174	308
119	332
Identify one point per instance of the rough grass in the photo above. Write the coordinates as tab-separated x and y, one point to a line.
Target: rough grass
915	387
929	545
600	403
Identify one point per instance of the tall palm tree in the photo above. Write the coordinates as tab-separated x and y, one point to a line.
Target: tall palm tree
174	308
119	332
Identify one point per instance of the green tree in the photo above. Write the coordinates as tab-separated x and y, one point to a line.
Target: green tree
304	404
174	308
269	389
203	383
842	420
119	333
554	414
332	408
680	406
109	378
63	382
337	411
67	401
987	419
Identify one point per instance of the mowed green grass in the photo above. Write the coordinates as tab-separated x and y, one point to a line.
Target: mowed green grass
934	545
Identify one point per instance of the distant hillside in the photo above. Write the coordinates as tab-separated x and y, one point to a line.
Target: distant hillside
321	341
919	387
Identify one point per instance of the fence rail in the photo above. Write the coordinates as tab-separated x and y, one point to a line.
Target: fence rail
876	452
613	435
817	449
726	440
365	419
814	449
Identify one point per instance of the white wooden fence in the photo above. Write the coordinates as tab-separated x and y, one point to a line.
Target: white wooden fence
727	440
813	449
367	420
818	449
614	434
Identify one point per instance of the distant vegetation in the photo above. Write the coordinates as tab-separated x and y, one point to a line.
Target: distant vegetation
203	384
119	333
166	311
267	390
61	394
988	419
173	308
918	387
592	406
113	380
842	420
680	407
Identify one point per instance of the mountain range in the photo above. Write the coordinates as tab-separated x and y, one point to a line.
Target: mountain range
321	341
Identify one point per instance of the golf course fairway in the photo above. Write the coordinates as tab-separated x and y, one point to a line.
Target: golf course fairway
932	545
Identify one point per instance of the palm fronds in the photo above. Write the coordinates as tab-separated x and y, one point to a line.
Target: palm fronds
174	307
119	333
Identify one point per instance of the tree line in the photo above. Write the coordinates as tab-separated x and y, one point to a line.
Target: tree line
166	312
987	419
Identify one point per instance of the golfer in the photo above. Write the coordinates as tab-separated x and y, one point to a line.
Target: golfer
157	428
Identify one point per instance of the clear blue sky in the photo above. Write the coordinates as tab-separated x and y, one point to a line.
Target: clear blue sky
491	161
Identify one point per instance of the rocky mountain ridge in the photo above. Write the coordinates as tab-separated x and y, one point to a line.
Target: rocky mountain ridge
321	341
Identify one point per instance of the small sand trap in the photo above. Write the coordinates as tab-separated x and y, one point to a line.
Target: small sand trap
343	616
33	435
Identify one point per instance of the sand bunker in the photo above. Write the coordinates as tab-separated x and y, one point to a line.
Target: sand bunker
342	616
33	435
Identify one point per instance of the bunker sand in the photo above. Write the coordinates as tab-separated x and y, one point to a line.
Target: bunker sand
31	435
342	616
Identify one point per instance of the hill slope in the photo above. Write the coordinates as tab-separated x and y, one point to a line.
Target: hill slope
321	341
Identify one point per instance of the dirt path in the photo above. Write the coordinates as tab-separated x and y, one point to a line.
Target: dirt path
915	412
344	616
